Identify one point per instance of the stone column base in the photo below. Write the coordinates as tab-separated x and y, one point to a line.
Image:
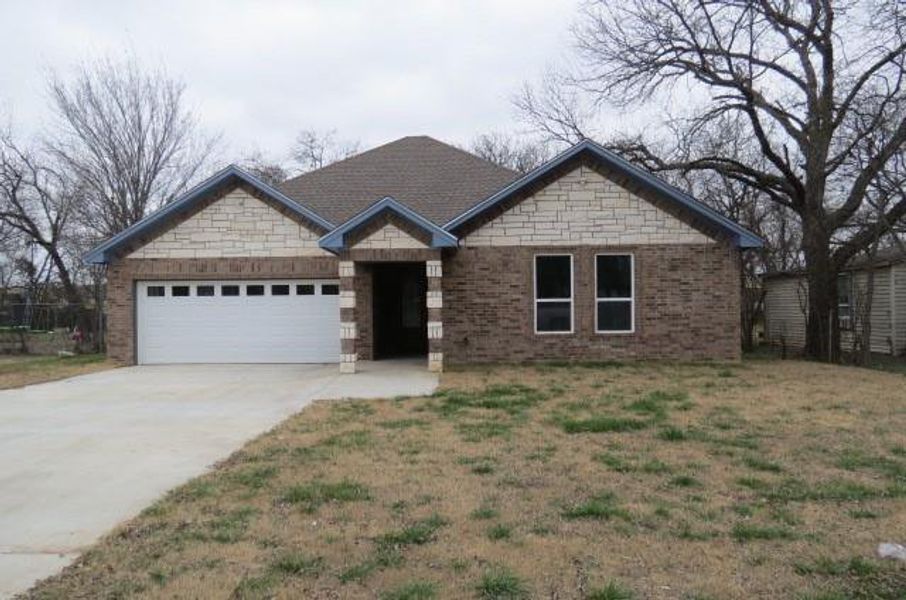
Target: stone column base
347	363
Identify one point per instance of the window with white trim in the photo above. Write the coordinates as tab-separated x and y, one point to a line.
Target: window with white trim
614	293
554	293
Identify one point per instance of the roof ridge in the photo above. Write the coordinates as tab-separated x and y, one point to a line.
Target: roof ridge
396	141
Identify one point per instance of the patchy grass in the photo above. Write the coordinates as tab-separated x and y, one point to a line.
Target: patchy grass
611	591
602	424
314	494
20	370
583	481
501	584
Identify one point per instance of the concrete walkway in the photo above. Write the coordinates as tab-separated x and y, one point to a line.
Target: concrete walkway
81	455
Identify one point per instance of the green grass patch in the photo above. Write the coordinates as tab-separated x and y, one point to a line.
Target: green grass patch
853	460
198	489
747	532
255	586
614	462
655	467
603	506
349	440
602	424
255	478
480	431
298	564
687	533
415	590
485	512
499	532
480	465
312	495
673	434
758	463
500	583
612	590
856	565
685	481
512	399
838	490
418	533
403	423
227	528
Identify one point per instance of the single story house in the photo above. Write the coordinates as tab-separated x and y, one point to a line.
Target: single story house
786	302
420	248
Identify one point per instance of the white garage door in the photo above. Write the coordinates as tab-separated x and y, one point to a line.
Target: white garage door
272	321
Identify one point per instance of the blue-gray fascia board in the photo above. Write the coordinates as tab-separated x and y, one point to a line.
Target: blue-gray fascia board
336	239
740	236
102	253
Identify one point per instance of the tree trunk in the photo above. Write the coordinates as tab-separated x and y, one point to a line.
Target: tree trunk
822	334
748	309
73	296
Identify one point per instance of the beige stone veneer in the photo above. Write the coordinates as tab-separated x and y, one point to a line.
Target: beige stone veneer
238	224
390	236
584	208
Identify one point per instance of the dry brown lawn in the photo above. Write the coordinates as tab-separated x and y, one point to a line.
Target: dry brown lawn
763	479
18	371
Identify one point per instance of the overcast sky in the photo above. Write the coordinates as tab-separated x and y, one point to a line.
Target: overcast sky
259	71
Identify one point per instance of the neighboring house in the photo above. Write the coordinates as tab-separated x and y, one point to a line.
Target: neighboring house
786	301
419	248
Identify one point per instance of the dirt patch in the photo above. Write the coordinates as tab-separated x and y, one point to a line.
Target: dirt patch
758	479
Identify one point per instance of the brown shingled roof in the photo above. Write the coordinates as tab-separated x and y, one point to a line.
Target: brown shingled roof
435	179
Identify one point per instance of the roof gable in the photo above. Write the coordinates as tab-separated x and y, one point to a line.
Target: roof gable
581	207
338	240
588	150
435	179
231	175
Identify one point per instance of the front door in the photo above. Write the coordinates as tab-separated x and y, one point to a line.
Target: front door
400	315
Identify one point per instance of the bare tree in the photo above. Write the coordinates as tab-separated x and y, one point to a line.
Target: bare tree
36	201
519	154
269	171
315	149
814	84
556	110
127	141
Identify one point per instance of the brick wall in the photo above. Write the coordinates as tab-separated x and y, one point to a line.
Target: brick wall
583	207
236	224
122	275
687	305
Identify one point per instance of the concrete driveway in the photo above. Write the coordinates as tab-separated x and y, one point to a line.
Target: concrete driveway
79	456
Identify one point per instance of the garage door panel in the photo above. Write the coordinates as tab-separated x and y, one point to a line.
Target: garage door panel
237	329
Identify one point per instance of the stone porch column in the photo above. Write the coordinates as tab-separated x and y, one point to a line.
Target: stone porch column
435	302
348	355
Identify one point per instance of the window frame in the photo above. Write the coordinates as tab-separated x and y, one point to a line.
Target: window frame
631	297
572	293
846	323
